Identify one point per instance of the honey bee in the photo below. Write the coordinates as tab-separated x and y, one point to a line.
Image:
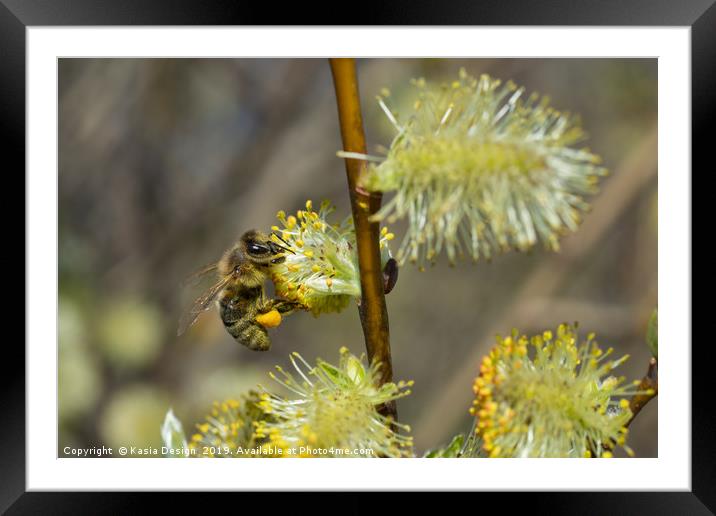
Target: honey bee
239	291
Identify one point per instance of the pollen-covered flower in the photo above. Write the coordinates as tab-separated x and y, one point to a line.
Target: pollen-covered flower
321	273
334	411
550	396
228	431
479	169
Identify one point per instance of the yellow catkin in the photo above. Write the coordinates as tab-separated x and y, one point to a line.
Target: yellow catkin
527	386
510	162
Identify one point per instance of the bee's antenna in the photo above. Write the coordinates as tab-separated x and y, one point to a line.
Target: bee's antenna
287	248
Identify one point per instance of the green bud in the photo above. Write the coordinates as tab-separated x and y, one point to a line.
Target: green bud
448	452
173	434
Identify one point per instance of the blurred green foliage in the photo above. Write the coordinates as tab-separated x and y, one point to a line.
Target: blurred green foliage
134	417
129	333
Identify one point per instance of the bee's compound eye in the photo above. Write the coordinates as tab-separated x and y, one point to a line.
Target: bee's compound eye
255	248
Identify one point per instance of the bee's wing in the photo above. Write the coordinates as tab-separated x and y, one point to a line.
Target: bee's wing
201	305
196	276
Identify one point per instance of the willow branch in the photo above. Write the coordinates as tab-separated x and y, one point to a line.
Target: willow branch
649	385
372	309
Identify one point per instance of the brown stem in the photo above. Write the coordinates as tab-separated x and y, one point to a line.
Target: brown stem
372	309
650	387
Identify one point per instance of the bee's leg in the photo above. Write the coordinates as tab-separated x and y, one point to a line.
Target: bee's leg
280	305
286	307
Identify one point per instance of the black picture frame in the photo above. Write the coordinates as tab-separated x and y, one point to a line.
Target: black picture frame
17	15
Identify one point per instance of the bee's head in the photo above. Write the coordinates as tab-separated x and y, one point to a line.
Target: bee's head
259	248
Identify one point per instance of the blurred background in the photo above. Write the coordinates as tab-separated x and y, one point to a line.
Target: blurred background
165	162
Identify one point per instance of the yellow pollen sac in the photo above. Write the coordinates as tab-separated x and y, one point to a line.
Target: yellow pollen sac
291	222
269	319
329	282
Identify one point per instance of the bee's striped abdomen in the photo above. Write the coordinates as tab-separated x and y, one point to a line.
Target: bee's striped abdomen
238	313
250	334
